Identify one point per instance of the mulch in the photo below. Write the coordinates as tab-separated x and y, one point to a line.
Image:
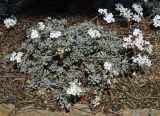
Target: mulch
138	91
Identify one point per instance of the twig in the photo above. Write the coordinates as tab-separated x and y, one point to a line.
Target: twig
95	17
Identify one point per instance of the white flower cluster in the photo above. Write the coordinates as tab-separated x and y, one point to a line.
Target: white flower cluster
137	40
16	57
94	33
10	22
125	12
142	60
156	21
108	67
107	16
74	88
138	8
41	26
55	34
140	43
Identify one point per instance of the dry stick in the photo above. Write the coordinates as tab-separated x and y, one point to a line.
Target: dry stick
95	18
11	89
129	87
127	93
136	98
26	101
134	86
2	101
120	100
10	74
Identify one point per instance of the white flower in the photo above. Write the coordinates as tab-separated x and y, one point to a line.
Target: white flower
141	60
125	12
95	102
16	57
139	42
34	34
119	7
102	11
127	41
109	18
9	22
94	33
128	14
74	88
13	55
136	18
156	21
41	25
55	34
125	45
107	66
137	32
148	47
138	8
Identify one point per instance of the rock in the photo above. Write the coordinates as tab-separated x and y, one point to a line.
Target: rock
141	112
35	112
154	112
137	112
76	110
7	110
80	110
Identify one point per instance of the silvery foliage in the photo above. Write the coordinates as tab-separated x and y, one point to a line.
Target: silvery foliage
55	62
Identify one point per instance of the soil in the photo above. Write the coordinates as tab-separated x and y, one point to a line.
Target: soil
142	90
